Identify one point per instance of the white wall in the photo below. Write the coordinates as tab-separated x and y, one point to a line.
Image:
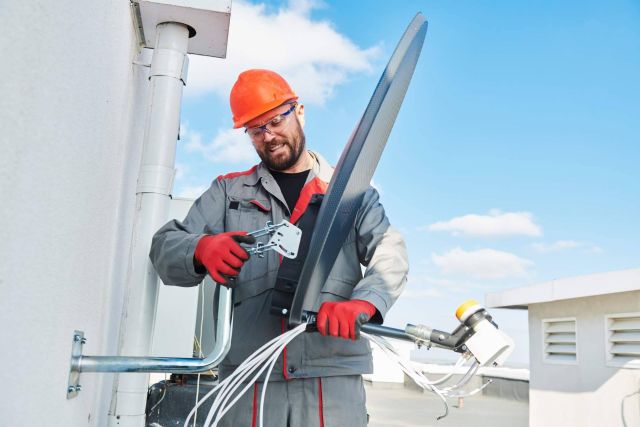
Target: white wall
72	112
176	310
588	394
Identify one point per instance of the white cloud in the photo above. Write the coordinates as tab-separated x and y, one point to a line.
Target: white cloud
181	171
422	293
312	55
228	146
481	264
561	245
191	192
495	223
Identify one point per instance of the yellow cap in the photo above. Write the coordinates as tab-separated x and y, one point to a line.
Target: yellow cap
466	306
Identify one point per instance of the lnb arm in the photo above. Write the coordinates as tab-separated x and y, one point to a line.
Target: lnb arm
477	334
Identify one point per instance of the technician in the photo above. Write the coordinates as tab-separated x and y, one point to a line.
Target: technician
318	379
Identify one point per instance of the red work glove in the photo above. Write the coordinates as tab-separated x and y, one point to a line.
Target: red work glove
222	255
344	318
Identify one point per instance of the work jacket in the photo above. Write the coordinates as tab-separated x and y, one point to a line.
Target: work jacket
246	201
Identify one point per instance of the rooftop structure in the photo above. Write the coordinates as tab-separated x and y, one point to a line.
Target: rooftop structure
584	338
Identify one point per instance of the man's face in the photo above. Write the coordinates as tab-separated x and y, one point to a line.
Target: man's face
281	146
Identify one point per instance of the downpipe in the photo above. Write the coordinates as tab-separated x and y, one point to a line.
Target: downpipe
167	78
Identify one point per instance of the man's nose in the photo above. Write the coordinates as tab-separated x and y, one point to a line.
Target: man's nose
268	135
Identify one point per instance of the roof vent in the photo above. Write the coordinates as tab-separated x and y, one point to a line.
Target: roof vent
623	340
559	341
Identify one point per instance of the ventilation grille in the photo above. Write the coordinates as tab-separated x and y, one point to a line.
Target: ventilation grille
623	340
560	340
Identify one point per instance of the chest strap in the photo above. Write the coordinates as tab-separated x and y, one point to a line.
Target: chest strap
290	269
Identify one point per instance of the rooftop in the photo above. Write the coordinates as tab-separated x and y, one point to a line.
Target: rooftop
406	407
567	288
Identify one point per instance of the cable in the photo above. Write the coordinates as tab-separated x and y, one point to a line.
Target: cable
461	361
283	340
624	421
268	353
266	357
472	392
422	381
416	376
164	392
198	340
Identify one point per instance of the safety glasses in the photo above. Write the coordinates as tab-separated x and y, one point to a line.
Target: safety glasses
278	122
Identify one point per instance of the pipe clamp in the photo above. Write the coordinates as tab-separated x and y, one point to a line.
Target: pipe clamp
169	63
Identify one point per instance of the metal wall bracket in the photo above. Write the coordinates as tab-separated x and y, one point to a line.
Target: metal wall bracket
73	386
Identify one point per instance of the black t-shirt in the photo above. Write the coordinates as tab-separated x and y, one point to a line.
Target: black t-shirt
290	184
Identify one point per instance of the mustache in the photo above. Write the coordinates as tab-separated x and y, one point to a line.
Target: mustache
278	142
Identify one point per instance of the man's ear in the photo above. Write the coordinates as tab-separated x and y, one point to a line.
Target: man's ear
300	114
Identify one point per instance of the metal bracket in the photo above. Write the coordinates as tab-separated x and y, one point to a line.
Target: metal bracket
73	386
285	239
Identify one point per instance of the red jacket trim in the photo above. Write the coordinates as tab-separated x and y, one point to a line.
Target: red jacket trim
254	415
260	206
285	374
315	186
237	174
320	404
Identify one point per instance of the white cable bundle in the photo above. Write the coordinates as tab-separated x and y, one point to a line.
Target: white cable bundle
267	355
263	358
422	381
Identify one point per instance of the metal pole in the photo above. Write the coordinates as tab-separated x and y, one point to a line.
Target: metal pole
168	364
167	76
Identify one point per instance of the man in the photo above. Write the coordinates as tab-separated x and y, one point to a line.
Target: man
317	381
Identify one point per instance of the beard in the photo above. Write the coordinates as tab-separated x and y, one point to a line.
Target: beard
287	156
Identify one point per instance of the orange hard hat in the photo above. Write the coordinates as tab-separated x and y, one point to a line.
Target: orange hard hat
256	92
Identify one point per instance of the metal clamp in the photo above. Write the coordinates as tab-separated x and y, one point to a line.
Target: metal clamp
73	386
285	239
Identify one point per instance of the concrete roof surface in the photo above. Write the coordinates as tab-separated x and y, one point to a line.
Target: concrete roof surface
398	406
568	288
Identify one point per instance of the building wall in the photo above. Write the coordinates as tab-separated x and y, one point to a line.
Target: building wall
589	393
72	113
176	309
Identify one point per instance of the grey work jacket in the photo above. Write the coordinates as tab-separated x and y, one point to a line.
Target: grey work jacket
246	201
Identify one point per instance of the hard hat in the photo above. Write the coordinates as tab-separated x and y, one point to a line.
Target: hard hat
256	92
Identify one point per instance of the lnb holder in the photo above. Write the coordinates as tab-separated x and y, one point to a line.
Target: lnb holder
477	334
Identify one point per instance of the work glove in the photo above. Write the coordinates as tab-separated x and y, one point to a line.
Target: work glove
222	256
344	318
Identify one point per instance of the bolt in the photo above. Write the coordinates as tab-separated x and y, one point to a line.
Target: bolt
83	341
71	389
78	387
76	338
285	311
441	337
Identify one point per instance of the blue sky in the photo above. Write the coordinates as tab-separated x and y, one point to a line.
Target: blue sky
514	157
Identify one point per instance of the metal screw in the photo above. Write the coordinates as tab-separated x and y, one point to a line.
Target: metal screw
285	311
83	341
78	387
76	338
71	389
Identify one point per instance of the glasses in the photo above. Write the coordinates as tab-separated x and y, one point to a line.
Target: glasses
278	122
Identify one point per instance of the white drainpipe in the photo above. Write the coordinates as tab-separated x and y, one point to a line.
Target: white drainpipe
167	78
